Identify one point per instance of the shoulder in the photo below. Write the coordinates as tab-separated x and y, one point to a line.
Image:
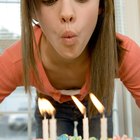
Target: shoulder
132	50
11	60
131	56
12	53
127	42
11	63
129	70
11	67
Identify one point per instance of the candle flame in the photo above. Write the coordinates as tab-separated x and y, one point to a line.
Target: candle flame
81	107
45	106
97	103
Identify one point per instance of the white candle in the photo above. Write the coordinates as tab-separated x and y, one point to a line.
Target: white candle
53	129
85	128
46	106
103	120
103	128
45	128
82	109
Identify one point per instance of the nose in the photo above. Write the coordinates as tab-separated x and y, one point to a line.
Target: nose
67	12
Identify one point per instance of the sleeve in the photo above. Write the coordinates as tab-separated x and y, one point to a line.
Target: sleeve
10	71
129	71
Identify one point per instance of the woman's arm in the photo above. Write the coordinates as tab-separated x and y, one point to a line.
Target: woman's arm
10	70
129	71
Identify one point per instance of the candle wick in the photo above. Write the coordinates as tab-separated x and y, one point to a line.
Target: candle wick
45	117
85	115
103	115
53	116
84	112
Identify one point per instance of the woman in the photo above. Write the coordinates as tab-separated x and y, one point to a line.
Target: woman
72	50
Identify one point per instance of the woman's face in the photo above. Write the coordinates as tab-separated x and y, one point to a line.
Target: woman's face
67	25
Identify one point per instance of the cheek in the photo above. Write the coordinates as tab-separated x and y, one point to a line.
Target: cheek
90	14
88	24
91	20
49	23
44	16
93	16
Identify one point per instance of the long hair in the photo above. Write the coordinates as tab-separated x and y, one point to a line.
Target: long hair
28	41
105	57
103	45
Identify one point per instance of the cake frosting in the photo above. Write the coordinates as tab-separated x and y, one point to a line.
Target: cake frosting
66	137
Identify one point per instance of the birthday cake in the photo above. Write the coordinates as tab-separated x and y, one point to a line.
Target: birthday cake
66	137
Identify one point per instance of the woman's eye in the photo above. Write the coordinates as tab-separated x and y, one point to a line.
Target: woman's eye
82	1
49	2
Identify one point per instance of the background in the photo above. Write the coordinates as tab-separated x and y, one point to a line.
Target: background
17	111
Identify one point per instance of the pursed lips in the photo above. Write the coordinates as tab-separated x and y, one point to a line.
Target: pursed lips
68	34
69	38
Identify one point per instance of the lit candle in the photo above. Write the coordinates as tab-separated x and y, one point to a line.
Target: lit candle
42	108
52	121
82	109
45	128
103	128
53	130
46	106
85	128
103	120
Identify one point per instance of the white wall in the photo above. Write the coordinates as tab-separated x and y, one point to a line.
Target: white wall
132	29
132	19
128	23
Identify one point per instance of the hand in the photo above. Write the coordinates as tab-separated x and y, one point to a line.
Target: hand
124	137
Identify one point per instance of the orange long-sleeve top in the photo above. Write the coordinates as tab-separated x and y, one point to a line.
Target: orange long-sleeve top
11	71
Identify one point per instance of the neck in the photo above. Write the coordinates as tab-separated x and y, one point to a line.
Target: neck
71	72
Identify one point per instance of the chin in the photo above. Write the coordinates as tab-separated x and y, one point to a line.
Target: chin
70	56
